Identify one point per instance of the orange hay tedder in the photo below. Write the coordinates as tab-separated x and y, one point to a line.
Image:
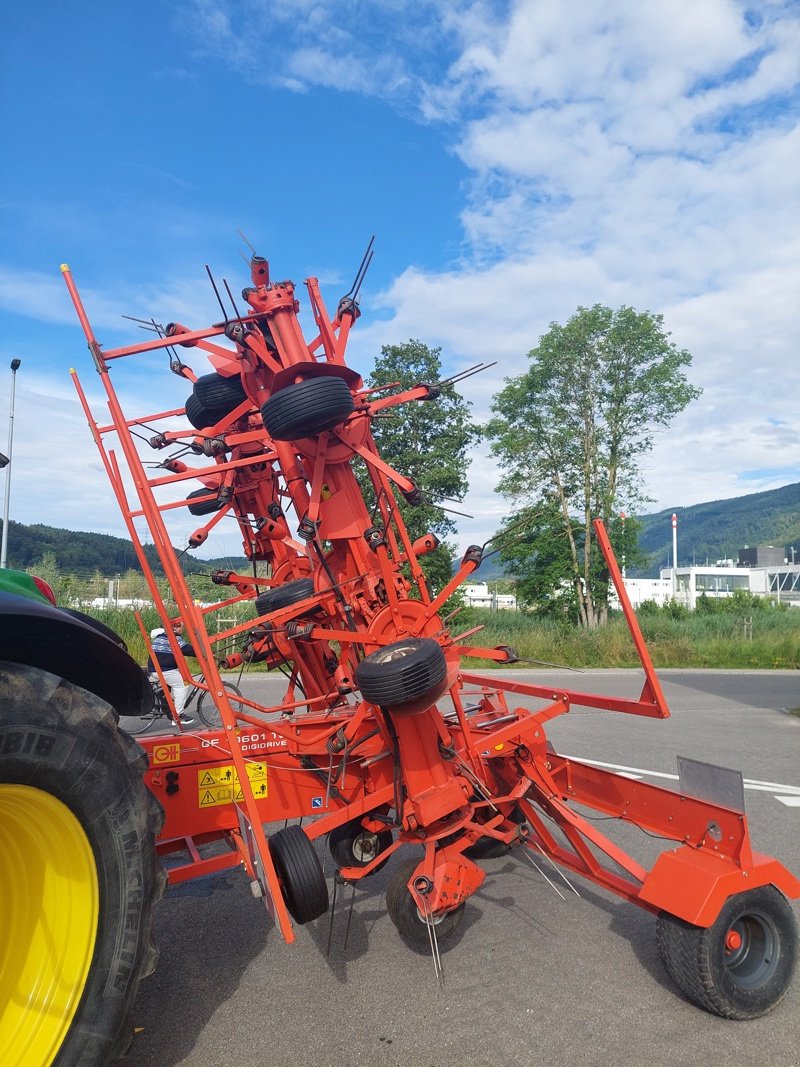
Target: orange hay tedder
383	739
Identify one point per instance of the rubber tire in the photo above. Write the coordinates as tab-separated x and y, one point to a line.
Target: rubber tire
208	507
401	672
64	741
213	397
744	983
351	845
283	596
403	911
307	408
208	710
303	884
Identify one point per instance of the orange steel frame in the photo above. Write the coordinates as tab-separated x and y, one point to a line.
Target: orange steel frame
443	774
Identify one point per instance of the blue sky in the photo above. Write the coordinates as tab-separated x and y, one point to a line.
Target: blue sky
514	160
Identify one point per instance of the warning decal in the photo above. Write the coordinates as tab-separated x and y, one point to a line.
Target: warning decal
220	785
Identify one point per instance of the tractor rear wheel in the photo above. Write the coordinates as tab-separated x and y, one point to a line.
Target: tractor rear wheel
78	873
300	874
410	921
741	966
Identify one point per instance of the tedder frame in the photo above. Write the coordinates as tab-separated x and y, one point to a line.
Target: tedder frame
383	738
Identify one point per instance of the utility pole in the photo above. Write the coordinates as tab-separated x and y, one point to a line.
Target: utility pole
674	555
15	363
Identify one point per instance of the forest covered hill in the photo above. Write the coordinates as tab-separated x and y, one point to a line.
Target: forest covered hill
706	532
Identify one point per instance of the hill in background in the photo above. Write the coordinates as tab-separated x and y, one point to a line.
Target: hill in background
717	530
706	533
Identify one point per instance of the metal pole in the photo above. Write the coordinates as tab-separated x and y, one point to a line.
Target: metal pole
674	555
4	547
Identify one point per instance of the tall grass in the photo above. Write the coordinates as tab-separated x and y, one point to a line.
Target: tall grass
696	639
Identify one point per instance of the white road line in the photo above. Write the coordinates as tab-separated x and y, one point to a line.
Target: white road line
790	793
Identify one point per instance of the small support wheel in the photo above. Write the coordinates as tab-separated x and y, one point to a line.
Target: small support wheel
206	507
352	845
403	672
410	921
741	966
282	596
213	397
303	884
307	408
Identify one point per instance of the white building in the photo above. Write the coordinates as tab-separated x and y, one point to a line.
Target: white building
479	595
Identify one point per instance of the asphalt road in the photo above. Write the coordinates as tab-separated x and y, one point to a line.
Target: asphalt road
530	978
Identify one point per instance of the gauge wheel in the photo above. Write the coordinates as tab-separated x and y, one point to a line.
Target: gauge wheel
402	672
307	408
352	845
206	507
741	966
300	874
410	921
283	596
78	873
213	397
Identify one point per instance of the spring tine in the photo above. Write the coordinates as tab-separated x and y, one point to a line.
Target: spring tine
549	881
434	943
332	912
557	868
350	916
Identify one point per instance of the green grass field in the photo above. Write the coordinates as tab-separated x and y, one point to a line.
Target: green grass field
704	638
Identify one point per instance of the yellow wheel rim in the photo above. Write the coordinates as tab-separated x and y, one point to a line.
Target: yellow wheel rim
48	923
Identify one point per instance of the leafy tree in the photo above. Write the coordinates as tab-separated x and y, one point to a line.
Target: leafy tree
570	434
426	441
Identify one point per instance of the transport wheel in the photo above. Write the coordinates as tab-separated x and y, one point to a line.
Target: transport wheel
402	672
208	710
207	507
741	966
353	846
406	916
305	890
307	408
282	596
213	397
78	873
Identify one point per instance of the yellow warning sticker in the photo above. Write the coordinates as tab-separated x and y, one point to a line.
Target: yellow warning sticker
220	785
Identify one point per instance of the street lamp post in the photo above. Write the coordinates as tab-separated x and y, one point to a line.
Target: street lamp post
4	546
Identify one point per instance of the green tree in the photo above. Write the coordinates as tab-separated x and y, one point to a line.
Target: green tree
426	441
570	434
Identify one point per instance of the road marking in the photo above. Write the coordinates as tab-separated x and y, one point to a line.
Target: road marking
789	794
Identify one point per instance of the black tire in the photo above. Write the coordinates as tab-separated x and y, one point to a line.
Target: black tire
283	596
213	397
402	672
72	803
351	845
207	507
300	873
405	914
208	710
307	408
741	966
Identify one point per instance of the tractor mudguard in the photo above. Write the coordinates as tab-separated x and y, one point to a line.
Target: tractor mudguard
43	636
